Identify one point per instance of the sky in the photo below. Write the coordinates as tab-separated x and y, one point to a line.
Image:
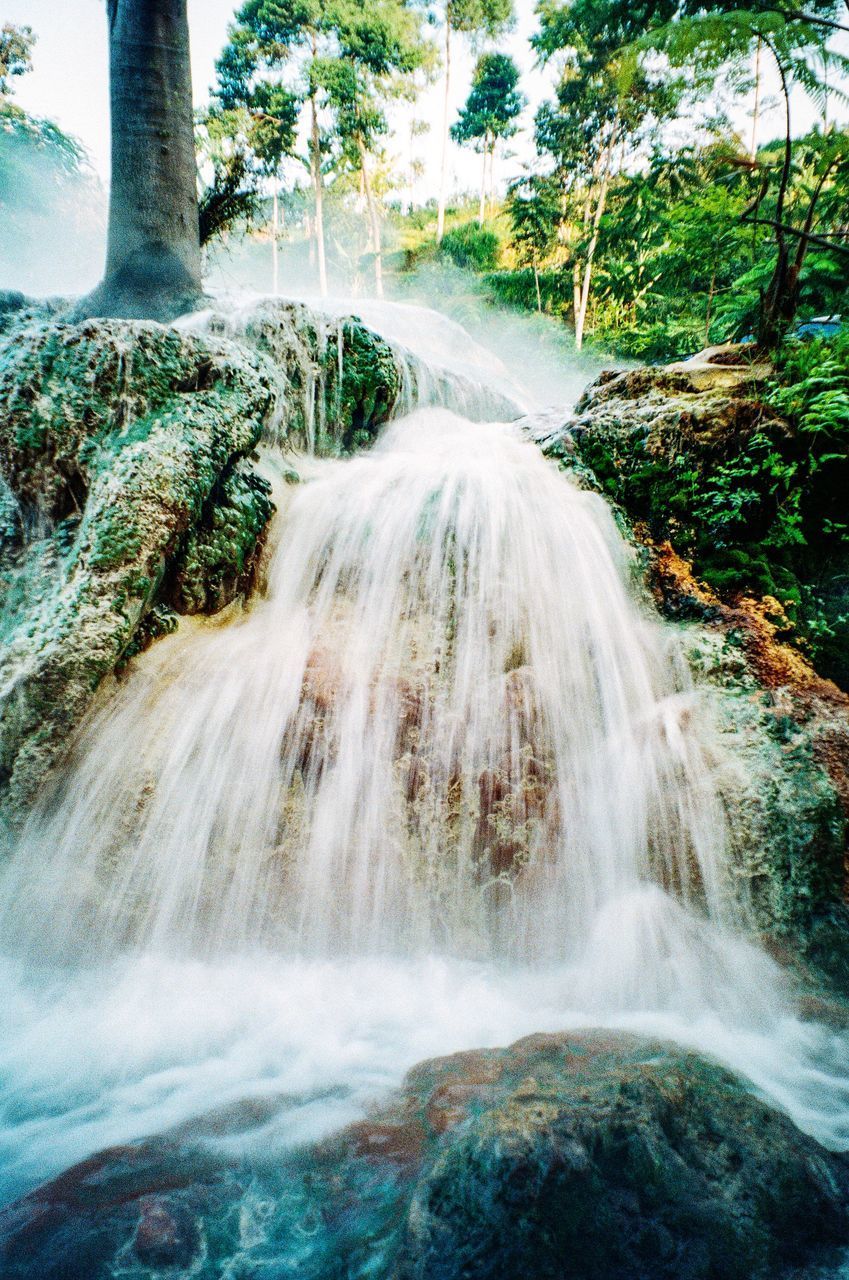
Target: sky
69	83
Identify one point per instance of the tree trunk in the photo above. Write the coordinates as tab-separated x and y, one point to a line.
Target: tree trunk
756	115
536	282
709	315
440	217
482	206
374	219
153	264
576	295
275	231
588	266
318	195
779	303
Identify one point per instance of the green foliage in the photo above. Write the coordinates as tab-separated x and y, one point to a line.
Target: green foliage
479	17
533	207
765	510
230	200
494	102
473	246
16	45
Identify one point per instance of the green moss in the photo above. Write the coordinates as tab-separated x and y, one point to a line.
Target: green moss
786	828
362	400
117	440
754	499
221	550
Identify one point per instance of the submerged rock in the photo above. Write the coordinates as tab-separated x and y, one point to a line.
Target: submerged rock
592	1155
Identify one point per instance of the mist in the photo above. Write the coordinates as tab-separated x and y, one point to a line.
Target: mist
532	352
52	211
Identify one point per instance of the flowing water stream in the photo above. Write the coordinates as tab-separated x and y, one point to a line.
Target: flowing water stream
445	783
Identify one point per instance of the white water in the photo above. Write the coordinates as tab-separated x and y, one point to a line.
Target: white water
444	785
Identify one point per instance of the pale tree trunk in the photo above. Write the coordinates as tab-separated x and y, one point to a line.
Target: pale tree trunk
275	232
756	114
443	172
318	195
482	206
601	204
536	282
588	265
374	219
709	316
153	264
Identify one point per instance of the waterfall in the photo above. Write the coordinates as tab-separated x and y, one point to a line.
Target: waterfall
446	725
445	782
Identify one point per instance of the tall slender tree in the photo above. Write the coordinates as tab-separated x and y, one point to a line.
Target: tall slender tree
491	111
477	19
343	57
153	264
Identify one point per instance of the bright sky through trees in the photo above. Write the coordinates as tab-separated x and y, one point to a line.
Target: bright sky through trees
69	81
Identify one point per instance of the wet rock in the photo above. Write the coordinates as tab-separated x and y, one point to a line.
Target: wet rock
651	440
167	1235
593	1155
608	1156
129	492
128	1210
121	445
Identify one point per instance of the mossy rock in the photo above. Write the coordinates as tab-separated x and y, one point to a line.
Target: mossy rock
612	1158
339	380
121	448
756	505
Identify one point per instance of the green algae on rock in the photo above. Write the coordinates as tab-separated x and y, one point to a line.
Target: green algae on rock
700	453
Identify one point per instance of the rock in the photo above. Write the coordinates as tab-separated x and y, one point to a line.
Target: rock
166	1235
121	445
593	1155
130	1210
129	494
590	1155
654	440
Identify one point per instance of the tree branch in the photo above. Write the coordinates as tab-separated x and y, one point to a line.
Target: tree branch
799	15
824	241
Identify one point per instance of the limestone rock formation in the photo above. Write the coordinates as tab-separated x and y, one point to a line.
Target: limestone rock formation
653	440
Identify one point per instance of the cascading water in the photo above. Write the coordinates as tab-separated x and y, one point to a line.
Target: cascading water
445	783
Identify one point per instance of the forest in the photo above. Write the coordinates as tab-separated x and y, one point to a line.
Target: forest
673	201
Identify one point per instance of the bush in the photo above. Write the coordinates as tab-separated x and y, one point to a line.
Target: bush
472	246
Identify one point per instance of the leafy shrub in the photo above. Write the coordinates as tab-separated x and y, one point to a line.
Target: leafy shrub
469	245
518	289
768	513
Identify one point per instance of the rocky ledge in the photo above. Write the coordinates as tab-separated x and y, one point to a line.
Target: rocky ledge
687	454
